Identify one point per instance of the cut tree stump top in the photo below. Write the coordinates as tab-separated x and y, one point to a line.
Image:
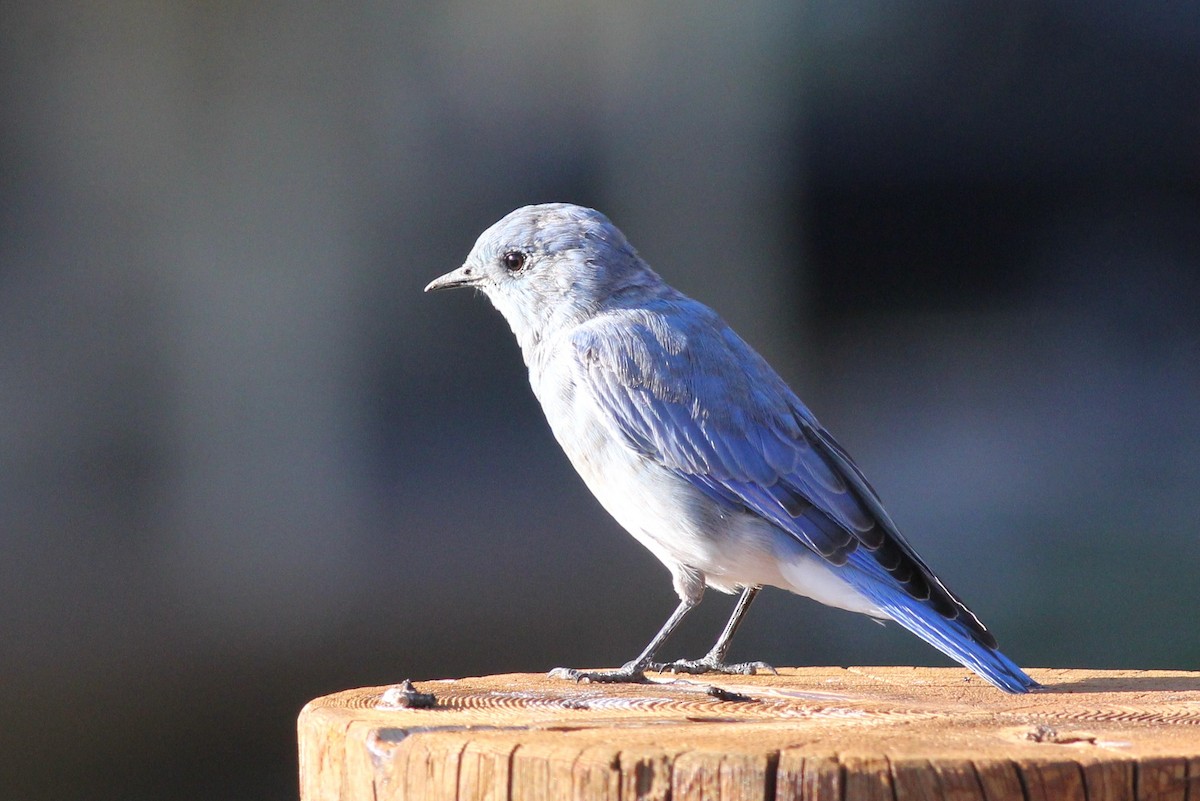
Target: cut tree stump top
809	733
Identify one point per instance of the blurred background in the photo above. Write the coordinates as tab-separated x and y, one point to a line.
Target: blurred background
245	462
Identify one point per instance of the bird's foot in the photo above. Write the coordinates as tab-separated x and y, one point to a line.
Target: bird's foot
631	673
711	664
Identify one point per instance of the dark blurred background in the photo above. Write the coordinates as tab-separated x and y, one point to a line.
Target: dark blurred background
245	462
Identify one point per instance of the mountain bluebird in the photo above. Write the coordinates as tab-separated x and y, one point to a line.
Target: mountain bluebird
697	447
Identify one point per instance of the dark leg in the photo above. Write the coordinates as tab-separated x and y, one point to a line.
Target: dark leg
714	660
632	672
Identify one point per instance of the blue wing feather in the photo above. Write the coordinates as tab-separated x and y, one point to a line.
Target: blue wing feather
683	389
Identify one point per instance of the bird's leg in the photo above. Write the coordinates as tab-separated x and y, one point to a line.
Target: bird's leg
633	672
714	660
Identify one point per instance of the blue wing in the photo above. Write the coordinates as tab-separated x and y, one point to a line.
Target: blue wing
683	389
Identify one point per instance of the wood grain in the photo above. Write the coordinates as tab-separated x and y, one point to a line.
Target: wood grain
808	734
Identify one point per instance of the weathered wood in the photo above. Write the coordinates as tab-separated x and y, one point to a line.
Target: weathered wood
808	734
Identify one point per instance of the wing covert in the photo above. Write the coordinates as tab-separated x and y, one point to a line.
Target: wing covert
686	401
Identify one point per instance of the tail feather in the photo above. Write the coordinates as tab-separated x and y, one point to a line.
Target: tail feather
950	636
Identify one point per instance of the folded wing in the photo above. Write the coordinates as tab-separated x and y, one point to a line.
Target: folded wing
681	388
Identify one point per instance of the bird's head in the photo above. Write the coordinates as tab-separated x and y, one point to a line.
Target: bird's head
551	265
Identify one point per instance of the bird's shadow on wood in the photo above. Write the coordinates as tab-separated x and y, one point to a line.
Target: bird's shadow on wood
1125	684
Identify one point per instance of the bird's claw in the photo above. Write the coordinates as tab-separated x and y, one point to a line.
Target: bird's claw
629	674
695	667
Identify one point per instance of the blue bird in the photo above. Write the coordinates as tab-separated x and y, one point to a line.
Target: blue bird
698	448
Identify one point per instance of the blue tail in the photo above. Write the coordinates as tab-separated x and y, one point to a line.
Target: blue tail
963	637
949	636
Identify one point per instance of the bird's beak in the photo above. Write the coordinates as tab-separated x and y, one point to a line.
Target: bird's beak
463	276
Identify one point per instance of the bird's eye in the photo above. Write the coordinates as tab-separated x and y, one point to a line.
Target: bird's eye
514	260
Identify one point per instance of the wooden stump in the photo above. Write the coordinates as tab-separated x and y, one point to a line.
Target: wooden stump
809	733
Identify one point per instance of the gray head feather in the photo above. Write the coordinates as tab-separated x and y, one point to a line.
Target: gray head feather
552	265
